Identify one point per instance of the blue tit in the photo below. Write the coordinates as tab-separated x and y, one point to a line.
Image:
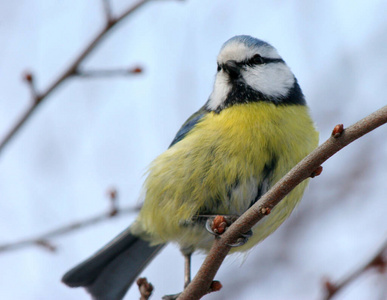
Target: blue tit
254	127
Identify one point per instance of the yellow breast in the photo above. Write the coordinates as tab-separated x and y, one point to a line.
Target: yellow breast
219	167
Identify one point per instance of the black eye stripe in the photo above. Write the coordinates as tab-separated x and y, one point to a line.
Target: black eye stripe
252	62
263	60
273	60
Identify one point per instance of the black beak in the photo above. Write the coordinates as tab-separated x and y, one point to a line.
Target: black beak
231	68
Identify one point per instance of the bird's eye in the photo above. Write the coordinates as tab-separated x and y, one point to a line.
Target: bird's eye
257	59
219	68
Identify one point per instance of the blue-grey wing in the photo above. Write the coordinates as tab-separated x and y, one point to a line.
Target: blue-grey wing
188	125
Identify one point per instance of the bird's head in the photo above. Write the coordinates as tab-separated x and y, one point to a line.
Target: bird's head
251	70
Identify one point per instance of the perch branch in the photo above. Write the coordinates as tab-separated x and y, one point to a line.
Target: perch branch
220	248
69	71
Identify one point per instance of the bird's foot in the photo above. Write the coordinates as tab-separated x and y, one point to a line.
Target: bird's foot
217	225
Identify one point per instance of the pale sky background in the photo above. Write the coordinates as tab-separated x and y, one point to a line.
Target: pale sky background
96	133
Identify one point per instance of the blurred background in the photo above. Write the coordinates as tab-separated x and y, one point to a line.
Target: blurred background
96	133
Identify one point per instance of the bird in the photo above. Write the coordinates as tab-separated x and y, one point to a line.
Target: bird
254	127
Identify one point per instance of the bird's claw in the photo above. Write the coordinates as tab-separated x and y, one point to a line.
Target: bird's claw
209	223
243	239
240	242
247	234
216	225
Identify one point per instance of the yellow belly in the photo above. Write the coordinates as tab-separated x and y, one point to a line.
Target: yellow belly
217	169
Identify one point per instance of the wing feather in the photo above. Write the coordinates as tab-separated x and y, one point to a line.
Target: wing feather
188	125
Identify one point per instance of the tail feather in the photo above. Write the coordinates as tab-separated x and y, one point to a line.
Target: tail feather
109	273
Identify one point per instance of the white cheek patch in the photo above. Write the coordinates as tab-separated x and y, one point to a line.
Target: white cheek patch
221	89
272	79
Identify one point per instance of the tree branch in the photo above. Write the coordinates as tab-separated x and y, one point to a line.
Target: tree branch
108	11
70	70
145	288
107	72
29	79
220	248
43	240
379	261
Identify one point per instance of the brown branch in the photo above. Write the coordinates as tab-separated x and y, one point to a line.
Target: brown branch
220	248
112	193
145	288
108	11
107	73
70	70
43	240
378	261
214	287
29	79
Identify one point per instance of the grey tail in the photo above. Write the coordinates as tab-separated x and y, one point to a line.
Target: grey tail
108	274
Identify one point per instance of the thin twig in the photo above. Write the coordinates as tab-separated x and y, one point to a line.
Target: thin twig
145	288
378	261
220	248
107	73
108	11
29	79
43	240
70	70
112	193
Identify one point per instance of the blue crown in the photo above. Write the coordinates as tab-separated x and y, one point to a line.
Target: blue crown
249	41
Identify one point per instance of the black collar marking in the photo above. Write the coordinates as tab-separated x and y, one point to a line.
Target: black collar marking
242	93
